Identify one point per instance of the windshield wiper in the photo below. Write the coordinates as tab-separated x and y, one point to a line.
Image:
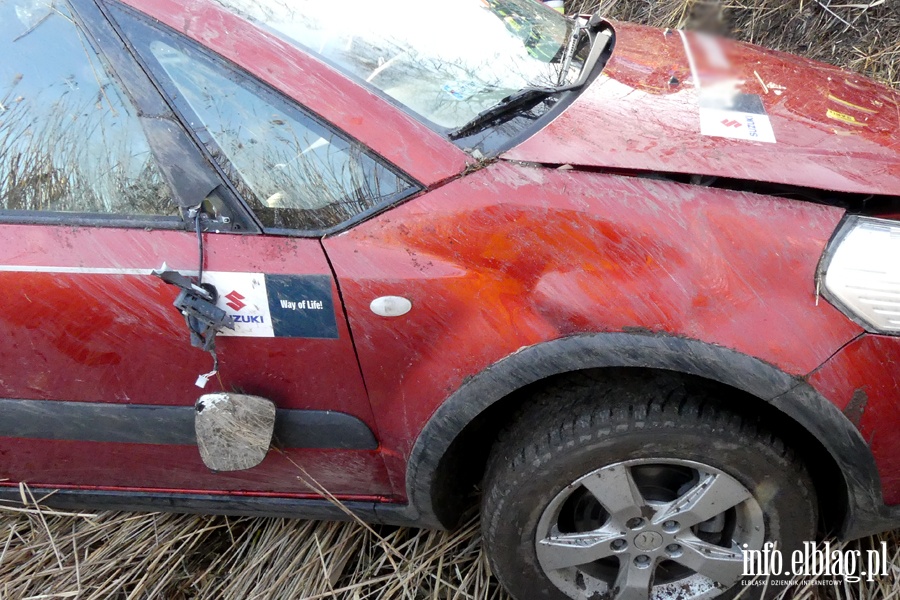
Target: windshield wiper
525	97
571	49
530	96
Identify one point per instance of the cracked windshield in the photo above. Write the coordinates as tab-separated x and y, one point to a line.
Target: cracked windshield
445	60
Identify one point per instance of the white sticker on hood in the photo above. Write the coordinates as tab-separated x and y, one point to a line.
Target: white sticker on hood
736	125
727	113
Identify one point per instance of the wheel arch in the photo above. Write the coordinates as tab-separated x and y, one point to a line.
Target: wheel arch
431	483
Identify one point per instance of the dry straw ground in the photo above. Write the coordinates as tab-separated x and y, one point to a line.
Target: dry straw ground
44	554
47	554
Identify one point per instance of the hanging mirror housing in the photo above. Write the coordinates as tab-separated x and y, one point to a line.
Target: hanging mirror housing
234	431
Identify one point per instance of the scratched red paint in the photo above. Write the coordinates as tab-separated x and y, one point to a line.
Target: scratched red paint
117	339
508	256
60	463
513	255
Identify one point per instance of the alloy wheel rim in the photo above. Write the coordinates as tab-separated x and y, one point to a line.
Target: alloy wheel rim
649	528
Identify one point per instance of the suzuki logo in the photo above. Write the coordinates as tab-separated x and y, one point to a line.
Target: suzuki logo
235	300
648	541
730	123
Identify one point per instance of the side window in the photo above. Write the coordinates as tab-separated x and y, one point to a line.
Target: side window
295	172
70	139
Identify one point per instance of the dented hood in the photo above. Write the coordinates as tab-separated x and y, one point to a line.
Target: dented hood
683	102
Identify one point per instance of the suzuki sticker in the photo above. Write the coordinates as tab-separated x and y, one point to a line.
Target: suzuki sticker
736	125
275	305
739	117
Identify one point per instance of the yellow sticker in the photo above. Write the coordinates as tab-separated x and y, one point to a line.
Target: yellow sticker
834	98
839	116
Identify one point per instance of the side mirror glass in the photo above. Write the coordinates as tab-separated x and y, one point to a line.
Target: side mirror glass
234	431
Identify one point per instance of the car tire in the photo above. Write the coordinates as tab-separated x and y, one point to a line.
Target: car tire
646	487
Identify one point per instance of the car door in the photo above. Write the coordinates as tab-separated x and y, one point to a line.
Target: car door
99	188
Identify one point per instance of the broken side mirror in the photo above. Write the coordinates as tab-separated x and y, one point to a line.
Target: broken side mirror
234	431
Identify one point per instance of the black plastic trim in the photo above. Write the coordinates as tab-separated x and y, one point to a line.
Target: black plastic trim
866	512
174	425
212	504
27	217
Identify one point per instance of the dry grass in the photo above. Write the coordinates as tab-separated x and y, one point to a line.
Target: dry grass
861	35
107	555
122	555
117	555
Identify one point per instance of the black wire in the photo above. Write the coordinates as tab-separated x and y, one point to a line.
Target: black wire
199	242
199	230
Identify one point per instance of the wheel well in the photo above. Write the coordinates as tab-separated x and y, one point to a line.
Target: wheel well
461	468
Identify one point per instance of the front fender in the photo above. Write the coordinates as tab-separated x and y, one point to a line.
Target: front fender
865	512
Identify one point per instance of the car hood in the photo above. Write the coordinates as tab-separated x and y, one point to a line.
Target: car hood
683	102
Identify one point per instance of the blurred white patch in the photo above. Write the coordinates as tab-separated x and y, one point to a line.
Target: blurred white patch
722	92
31	12
276	200
712	51
778	89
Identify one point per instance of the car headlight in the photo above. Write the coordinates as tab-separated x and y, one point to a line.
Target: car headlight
860	272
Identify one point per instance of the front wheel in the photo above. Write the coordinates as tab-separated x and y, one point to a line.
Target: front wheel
638	490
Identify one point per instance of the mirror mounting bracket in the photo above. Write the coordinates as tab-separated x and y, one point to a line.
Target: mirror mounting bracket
197	302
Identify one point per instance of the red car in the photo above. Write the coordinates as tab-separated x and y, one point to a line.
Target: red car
639	287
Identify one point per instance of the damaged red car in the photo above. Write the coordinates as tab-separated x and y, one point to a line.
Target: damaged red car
638	288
